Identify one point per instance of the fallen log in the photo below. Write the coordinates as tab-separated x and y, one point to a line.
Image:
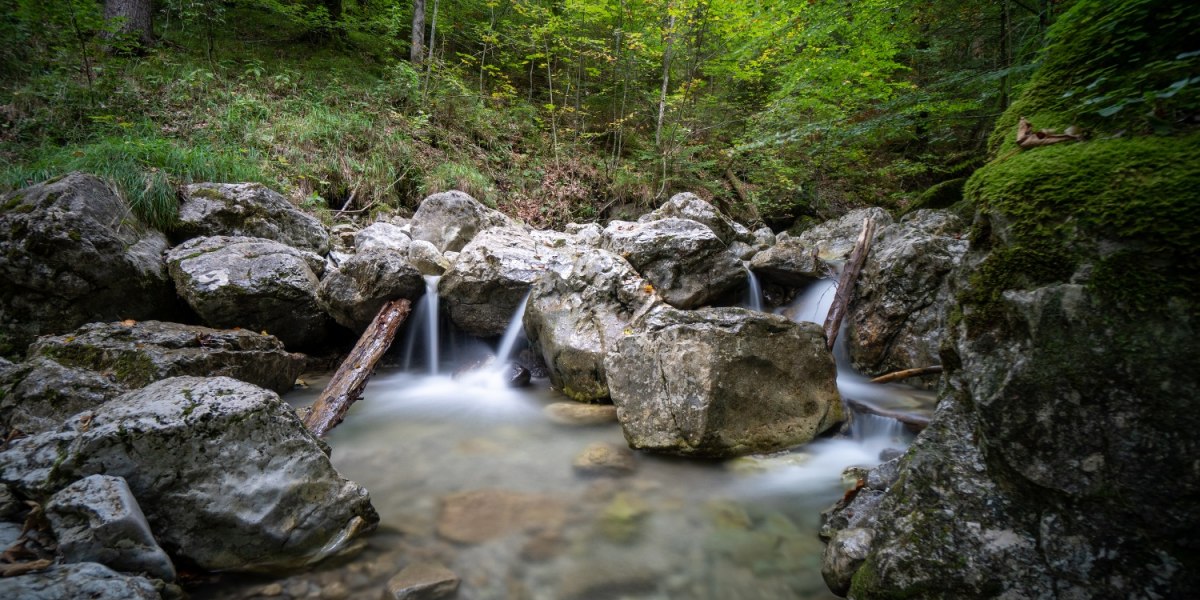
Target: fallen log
845	284
906	373
914	423
347	383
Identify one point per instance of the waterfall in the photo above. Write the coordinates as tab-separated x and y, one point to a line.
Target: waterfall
813	304
755	302
516	327
424	324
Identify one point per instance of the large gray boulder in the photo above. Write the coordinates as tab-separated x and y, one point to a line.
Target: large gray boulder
354	292
791	263
134	354
573	317
227	475
449	220
721	382
83	580
97	519
252	283
494	273
834	239
247	210
687	205
685	261
902	297
71	252
381	235
39	394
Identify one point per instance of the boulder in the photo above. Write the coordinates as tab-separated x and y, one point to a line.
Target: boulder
902	297
721	382
685	261
82	580
426	258
252	283
586	234
494	273
71	252
572	317
227	475
353	293
834	239
381	236
790	263
40	394
247	210
687	205
134	354
450	219
97	519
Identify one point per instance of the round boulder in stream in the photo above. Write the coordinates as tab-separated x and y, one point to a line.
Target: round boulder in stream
225	472
449	220
354	292
722	382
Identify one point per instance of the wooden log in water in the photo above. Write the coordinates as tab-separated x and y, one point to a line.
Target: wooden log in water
907	373
914	423
845	285
346	385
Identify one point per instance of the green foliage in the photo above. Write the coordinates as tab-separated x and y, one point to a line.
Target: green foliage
465	178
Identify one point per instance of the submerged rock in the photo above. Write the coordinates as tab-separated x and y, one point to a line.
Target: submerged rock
422	581
97	519
602	458
81	580
686	262
722	382
574	413
494	273
902	296
477	516
226	474
354	292
252	283
246	210
134	354
573	317
71	252
450	219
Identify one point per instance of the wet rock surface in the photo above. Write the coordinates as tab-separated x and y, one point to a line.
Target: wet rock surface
833	240
684	260
227	476
247	210
722	382
354	292
252	283
38	395
83	580
422	581
71	252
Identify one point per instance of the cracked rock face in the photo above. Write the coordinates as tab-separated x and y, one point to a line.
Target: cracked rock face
252	283
248	210
686	261
71	252
225	472
721	382
355	291
494	273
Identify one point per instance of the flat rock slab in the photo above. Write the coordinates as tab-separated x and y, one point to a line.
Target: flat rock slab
477	516
580	414
422	581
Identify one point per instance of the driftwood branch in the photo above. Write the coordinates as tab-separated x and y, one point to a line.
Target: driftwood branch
1028	138
845	285
914	423
346	385
906	373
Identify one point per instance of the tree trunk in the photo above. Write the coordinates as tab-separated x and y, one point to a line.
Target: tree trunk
845	287
348	382
416	52
666	76
136	15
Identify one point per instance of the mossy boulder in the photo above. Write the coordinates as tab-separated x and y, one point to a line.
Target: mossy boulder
246	209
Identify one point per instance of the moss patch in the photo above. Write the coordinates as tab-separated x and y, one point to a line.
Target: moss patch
1126	207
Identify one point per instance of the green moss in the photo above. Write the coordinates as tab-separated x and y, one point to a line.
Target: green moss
12	202
1111	66
202	192
130	368
940	195
1113	204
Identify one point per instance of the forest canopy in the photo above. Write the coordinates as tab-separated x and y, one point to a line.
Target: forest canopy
553	110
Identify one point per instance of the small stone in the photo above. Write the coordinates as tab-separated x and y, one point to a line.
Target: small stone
335	591
477	516
422	581
579	414
271	590
604	459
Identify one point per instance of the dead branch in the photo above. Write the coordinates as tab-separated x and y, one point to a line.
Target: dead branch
845	285
906	373
346	385
1028	138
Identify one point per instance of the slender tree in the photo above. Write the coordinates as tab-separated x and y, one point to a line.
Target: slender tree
416	52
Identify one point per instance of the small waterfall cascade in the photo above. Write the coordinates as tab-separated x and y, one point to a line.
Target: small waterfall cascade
756	297
425	327
515	329
812	305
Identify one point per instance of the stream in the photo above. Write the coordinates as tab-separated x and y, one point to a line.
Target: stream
471	474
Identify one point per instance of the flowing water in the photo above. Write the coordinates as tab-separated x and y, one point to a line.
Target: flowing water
471	474
755	301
